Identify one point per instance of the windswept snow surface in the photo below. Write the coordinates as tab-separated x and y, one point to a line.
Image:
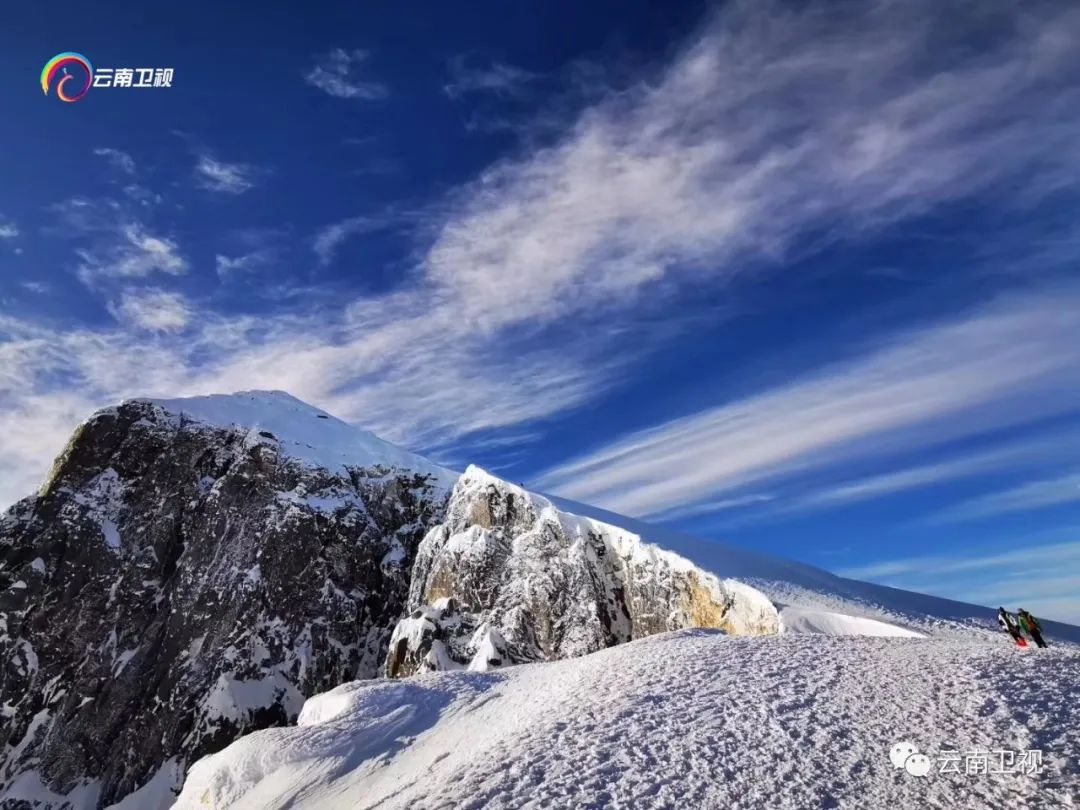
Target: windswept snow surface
304	432
688	719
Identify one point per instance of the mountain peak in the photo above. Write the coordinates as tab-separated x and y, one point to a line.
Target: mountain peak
303	431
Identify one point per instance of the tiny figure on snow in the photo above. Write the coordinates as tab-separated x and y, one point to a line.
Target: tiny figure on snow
1030	625
1009	625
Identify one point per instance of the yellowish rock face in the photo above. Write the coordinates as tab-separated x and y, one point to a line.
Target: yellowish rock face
701	609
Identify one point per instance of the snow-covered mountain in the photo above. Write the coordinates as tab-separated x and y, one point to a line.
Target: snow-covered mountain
193	570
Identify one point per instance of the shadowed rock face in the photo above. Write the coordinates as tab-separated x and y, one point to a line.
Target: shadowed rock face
509	579
175	585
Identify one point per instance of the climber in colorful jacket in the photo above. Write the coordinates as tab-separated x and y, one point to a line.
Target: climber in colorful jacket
1008	623
1030	625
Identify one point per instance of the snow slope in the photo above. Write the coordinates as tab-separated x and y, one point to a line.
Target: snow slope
830	623
304	431
688	719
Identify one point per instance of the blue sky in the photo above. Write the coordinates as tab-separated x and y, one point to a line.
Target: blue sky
798	276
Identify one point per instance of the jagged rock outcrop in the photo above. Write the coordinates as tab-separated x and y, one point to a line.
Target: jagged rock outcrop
178	582
508	578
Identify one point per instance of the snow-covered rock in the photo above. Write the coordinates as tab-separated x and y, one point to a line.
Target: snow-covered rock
693	719
190	571
508	578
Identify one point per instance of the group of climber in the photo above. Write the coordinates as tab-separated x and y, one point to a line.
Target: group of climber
1016	626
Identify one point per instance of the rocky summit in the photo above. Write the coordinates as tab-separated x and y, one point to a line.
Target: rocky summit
509	579
193	570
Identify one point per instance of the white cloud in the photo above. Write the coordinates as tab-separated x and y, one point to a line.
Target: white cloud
711	507
1055	554
119	160
1024	498
498	78
144	196
8	229
1011	456
229	178
36	287
773	123
335	73
329	238
133	253
1000	366
228	267
152	310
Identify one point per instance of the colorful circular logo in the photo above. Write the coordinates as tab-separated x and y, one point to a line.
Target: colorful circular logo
62	64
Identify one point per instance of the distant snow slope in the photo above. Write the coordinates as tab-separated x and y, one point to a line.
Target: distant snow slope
304	431
689	719
794	584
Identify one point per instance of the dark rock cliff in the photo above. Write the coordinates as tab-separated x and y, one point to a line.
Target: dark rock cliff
176	584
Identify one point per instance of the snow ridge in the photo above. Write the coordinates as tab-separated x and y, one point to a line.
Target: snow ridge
303	431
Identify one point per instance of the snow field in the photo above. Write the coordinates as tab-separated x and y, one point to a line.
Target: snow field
689	719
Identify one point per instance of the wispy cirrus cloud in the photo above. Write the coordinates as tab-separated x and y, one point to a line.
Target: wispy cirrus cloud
152	310
1012	457
331	237
228	178
1064	489
228	267
496	77
132	253
336	73
712	507
118	159
942	382
770	125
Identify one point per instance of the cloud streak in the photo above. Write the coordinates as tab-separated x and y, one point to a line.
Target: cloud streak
121	161
227	178
943	382
133	253
152	310
1027	497
497	78
336	74
331	237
